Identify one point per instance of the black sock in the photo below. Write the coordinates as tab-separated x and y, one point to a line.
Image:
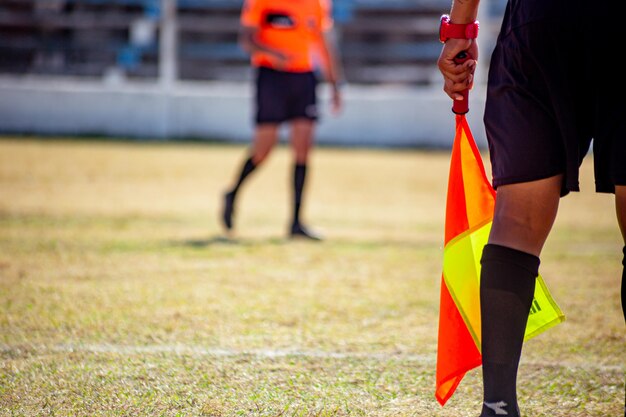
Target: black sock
247	168
624	288
299	175
507	287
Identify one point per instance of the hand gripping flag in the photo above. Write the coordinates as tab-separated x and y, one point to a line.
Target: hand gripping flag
469	213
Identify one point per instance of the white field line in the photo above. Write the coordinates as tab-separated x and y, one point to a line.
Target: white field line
196	350
258	353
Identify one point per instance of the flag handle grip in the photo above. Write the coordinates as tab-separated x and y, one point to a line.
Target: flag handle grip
461	106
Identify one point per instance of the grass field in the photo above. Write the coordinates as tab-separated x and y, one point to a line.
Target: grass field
119	295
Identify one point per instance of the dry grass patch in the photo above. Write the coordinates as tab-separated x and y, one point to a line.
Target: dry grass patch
120	296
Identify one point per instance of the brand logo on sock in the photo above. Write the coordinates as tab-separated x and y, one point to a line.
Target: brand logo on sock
498	408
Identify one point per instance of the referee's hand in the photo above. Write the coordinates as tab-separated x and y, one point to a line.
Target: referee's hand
281	59
457	77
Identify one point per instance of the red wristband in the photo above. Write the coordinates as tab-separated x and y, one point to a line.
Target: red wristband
449	30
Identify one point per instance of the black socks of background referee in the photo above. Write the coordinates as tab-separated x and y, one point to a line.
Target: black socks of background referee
507	287
299	175
247	168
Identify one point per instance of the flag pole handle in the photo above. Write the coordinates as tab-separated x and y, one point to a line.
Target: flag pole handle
461	106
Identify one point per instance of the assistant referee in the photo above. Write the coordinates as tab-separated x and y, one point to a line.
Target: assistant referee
287	40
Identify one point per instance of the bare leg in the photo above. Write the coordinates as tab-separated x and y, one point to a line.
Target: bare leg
524	215
265	137
302	131
620	208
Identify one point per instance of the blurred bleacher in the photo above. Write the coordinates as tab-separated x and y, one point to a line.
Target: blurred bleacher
380	41
78	37
173	69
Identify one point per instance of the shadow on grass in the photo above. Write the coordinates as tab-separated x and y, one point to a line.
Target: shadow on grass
223	240
371	244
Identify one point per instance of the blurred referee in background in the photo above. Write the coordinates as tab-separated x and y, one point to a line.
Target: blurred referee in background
287	40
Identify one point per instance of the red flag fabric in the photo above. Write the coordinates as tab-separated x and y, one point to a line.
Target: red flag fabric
469	203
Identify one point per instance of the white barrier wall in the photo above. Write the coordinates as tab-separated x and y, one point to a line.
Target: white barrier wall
373	116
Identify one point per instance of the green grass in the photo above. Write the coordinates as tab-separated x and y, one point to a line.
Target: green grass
120	296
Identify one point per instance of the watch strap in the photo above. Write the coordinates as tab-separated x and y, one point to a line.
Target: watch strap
457	30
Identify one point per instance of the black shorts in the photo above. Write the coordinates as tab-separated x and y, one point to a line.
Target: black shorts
282	96
551	93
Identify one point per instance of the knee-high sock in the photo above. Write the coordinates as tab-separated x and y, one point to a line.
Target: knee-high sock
246	169
299	176
624	284
507	286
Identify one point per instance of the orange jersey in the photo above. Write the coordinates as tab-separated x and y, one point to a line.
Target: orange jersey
292	27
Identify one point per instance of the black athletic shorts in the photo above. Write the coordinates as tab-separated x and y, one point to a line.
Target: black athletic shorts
553	90
282	96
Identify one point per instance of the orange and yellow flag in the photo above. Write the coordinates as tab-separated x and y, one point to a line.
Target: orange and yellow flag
469	213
